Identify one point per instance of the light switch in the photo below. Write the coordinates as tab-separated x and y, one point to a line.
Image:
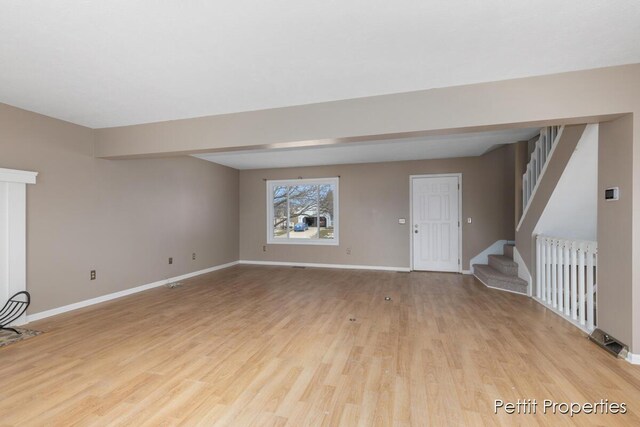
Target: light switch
469	220
402	221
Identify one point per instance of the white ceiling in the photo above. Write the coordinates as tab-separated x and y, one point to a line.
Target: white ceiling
119	62
434	147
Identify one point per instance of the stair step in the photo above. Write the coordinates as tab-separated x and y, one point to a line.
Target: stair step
504	264
495	279
508	250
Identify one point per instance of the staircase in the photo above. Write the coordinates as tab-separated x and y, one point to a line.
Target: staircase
501	273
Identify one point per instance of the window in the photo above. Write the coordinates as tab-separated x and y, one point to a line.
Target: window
303	211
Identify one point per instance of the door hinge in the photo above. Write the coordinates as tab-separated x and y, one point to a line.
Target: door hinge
458	186
458	261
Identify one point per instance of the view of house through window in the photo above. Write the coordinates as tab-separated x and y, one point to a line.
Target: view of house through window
303	211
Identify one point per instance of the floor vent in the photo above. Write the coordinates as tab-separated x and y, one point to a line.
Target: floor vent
609	343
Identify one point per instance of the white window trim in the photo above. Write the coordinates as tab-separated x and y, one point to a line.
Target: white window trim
288	241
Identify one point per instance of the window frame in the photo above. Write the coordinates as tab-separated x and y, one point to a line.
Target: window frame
270	184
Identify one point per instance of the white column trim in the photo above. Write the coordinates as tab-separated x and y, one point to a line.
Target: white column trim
18	176
13	232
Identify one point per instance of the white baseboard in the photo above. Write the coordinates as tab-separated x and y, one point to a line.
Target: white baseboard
119	294
633	358
318	265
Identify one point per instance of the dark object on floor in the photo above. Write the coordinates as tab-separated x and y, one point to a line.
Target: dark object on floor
13	309
609	343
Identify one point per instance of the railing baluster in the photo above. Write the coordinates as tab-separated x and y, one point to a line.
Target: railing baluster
538	268
548	270
543	263
590	320
554	275
565	272
581	285
574	282
559	264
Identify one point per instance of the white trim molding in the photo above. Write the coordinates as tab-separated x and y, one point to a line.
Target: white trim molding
13	234
634	359
125	292
18	176
318	265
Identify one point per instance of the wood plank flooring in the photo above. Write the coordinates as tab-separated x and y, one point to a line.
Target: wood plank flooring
272	346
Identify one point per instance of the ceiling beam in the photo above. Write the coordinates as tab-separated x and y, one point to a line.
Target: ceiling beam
567	98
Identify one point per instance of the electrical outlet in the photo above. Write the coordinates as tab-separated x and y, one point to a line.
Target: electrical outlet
264	248
93	275
348	251
170	260
193	256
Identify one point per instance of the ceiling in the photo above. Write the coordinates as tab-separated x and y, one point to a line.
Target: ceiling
433	147
121	62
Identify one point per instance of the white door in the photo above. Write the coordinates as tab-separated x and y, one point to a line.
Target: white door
435	227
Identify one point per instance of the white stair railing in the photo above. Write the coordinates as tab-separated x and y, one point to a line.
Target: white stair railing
566	278
539	156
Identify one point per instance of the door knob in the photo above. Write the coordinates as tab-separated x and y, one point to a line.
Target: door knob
416	231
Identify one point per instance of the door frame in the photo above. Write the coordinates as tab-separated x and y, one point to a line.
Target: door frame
436	175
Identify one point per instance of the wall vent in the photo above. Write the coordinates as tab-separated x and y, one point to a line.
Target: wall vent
609	343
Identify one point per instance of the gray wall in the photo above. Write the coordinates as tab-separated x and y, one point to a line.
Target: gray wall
372	198
123	218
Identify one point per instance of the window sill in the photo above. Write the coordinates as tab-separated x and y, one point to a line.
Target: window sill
304	242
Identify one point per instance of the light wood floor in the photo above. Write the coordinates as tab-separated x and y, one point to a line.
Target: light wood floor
274	346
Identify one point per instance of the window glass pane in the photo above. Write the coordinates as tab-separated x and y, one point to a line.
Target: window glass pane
280	222
326	214
303	212
303	208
